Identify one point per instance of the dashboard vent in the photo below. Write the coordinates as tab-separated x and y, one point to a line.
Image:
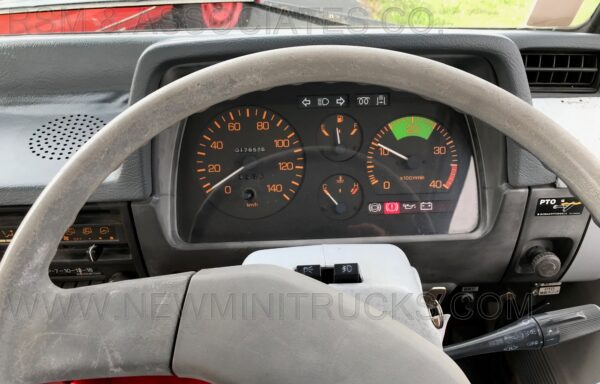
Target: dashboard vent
562	72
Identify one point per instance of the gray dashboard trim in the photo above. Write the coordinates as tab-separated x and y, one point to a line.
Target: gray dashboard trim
578	114
554	40
466	213
585	266
47	77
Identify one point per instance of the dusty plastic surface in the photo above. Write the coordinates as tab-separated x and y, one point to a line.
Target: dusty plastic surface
262	324
389	283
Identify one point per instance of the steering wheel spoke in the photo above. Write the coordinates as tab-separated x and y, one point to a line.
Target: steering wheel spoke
269	325
57	334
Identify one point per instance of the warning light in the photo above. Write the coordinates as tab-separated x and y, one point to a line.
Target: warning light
391	208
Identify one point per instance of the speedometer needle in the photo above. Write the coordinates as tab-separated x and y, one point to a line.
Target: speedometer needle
337	134
390	150
326	192
240	169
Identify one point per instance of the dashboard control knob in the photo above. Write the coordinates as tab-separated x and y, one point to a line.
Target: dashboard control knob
545	263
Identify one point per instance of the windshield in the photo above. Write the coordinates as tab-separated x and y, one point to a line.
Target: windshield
86	16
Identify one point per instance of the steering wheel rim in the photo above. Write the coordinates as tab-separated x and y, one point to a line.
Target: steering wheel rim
24	268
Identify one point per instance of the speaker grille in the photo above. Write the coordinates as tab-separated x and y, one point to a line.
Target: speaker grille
60	138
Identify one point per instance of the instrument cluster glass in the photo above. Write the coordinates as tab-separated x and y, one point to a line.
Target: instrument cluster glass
320	161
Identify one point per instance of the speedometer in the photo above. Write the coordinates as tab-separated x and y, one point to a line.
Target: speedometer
412	154
250	162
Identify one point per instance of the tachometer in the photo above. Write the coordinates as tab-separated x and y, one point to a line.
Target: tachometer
412	154
250	162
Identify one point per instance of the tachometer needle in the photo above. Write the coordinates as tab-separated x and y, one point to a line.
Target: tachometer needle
390	150
326	192
240	169
337	135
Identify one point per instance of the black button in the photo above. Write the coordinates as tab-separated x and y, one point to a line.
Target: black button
346	273
313	271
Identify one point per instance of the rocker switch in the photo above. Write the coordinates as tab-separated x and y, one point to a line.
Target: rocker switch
313	271
346	273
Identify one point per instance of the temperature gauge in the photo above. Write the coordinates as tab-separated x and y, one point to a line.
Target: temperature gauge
339	137
340	197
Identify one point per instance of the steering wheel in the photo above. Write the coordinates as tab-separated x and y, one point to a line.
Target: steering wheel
170	324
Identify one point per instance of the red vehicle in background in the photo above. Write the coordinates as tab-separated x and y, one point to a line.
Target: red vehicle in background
109	17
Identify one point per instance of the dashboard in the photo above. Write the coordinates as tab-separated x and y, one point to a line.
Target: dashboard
343	164
323	161
298	165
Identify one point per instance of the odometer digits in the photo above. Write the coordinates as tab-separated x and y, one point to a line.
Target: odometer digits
412	154
250	162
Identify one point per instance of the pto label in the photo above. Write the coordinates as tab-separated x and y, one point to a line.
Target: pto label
559	206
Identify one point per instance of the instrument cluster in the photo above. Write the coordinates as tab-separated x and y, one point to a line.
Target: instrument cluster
320	161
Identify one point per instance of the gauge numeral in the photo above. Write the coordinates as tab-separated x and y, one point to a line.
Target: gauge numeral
383	152
387	185
282	143
217	145
262	126
234	126
275	188
439	150
214	168
286	165
436	184
227	189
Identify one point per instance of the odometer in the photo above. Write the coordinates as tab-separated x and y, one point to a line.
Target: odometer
412	154
250	162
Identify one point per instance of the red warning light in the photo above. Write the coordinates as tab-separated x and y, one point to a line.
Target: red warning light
391	208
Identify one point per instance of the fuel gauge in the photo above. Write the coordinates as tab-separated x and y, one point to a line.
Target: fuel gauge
339	137
340	197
